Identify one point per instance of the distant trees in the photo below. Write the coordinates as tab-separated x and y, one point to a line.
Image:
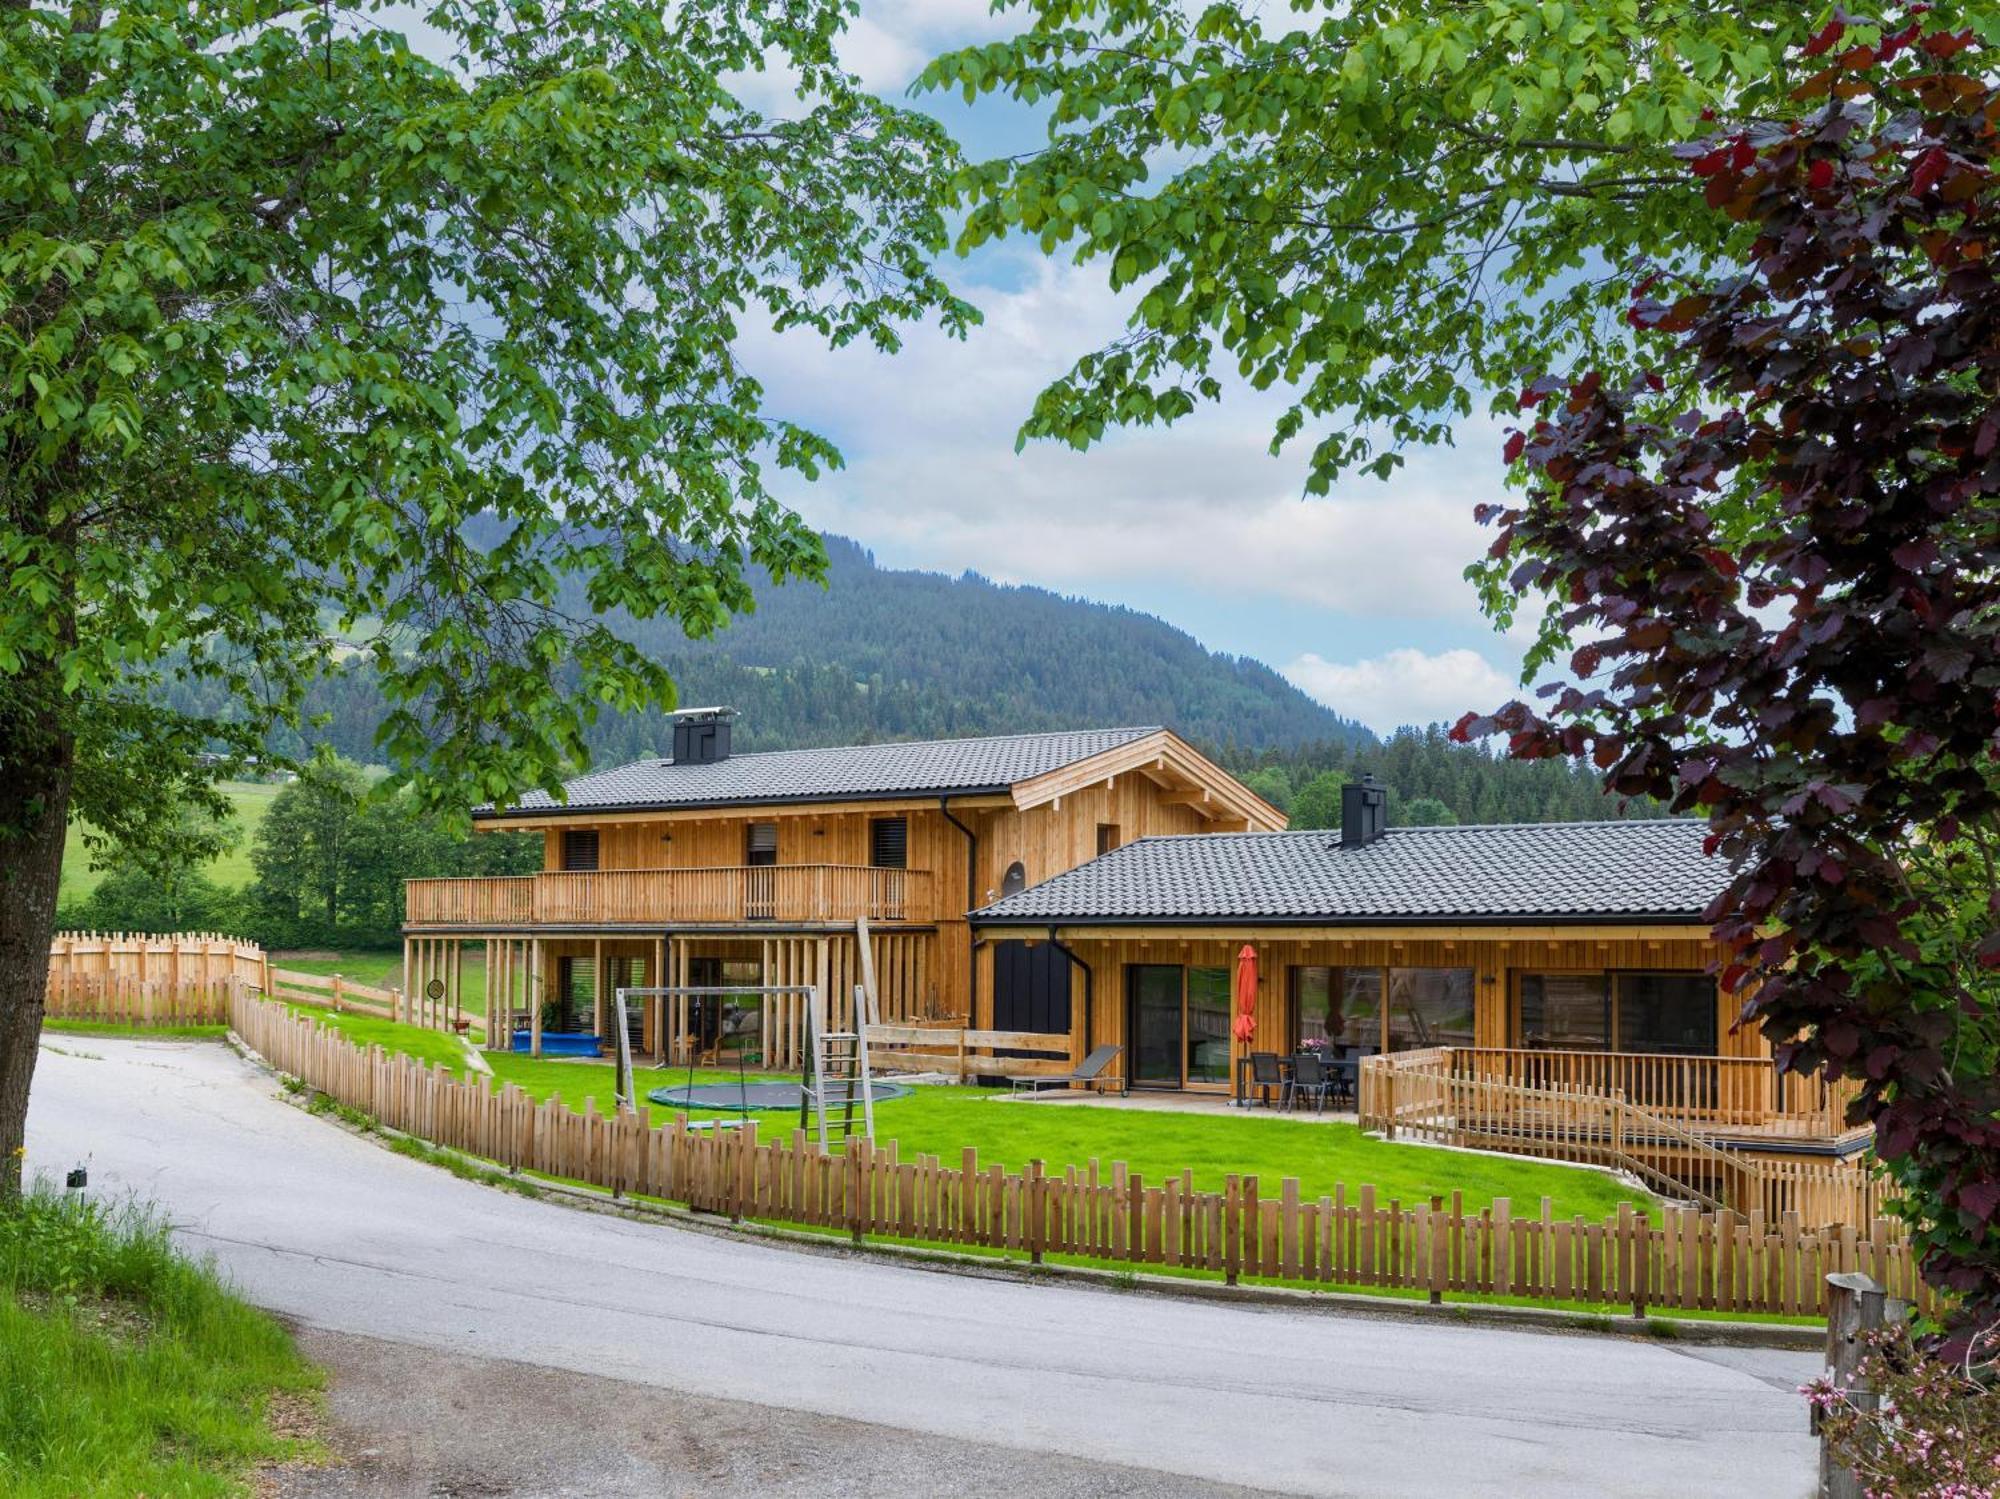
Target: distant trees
156	880
1432	781
1318	802
330	862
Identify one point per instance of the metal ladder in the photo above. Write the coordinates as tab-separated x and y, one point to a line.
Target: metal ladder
838	1077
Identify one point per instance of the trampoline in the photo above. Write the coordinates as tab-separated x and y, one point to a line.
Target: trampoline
742	1096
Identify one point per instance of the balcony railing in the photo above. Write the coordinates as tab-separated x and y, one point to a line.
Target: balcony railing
650	897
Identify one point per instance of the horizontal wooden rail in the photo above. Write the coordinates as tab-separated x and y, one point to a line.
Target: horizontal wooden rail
1670	1259
960	1053
643	897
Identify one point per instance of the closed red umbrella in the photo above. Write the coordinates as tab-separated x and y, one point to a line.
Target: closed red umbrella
1246	994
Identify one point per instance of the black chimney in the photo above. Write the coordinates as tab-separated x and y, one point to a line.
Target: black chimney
701	735
1364	812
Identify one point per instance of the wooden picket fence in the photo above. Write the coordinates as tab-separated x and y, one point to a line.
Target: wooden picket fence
1675	1259
148	957
125	1000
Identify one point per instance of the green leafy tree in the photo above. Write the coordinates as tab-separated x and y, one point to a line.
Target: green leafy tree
302	849
1425	812
1272	784
285	304
1387	207
1318	803
129	899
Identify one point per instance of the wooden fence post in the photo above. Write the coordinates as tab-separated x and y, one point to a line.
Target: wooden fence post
1036	1205
1385	1077
1855	1307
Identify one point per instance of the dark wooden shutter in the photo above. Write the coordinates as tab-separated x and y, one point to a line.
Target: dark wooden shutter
579	848
889	842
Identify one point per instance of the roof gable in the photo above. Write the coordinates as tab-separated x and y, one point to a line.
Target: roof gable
1654	870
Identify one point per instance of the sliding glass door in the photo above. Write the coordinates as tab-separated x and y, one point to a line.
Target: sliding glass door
1178	1025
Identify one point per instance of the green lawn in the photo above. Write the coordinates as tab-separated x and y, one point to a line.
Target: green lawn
124	1368
251	799
942	1121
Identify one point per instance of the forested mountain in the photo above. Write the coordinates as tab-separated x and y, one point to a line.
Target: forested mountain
883	654
886	654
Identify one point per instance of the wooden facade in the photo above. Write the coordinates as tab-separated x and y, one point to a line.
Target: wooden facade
1727	1093
769	894
1497	957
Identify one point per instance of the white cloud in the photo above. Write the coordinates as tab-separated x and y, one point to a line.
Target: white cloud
1405	686
933	479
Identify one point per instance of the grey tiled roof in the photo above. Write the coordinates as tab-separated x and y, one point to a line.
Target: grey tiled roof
1558	871
858	772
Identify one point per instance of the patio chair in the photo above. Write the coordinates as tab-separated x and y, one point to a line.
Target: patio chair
1267	1071
1089	1073
1310	1079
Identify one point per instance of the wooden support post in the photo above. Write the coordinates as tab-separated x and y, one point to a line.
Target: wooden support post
457	983
597	996
535	997
399	1010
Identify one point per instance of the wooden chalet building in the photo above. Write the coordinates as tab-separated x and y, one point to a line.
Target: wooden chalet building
1548	958
713	868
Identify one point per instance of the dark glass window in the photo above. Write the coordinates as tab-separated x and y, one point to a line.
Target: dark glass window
1565	1012
889	842
579	848
1671	1012
1340	1005
1429	1007
1208	1019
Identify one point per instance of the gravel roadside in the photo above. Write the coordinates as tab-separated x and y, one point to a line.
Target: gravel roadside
411	1423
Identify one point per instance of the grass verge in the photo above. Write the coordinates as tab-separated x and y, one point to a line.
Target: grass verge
138	1032
126	1368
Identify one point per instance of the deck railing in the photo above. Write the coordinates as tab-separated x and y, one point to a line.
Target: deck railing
642	897
1695	1091
1485	1099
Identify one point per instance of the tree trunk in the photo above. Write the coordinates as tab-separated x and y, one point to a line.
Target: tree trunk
37	767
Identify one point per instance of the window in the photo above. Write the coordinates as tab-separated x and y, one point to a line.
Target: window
1108	837
760	844
1340	1005
1565	1012
574	1007
1429	1007
889	842
579	848
1672	1012
1636	1012
1015	880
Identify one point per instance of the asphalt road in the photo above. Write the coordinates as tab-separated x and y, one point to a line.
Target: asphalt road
346	1237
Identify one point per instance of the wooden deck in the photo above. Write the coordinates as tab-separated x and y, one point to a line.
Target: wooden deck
830	893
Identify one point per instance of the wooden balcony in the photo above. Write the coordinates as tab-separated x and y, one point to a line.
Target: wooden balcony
665	897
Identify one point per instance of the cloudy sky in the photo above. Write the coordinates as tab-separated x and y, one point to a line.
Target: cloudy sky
1358	598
